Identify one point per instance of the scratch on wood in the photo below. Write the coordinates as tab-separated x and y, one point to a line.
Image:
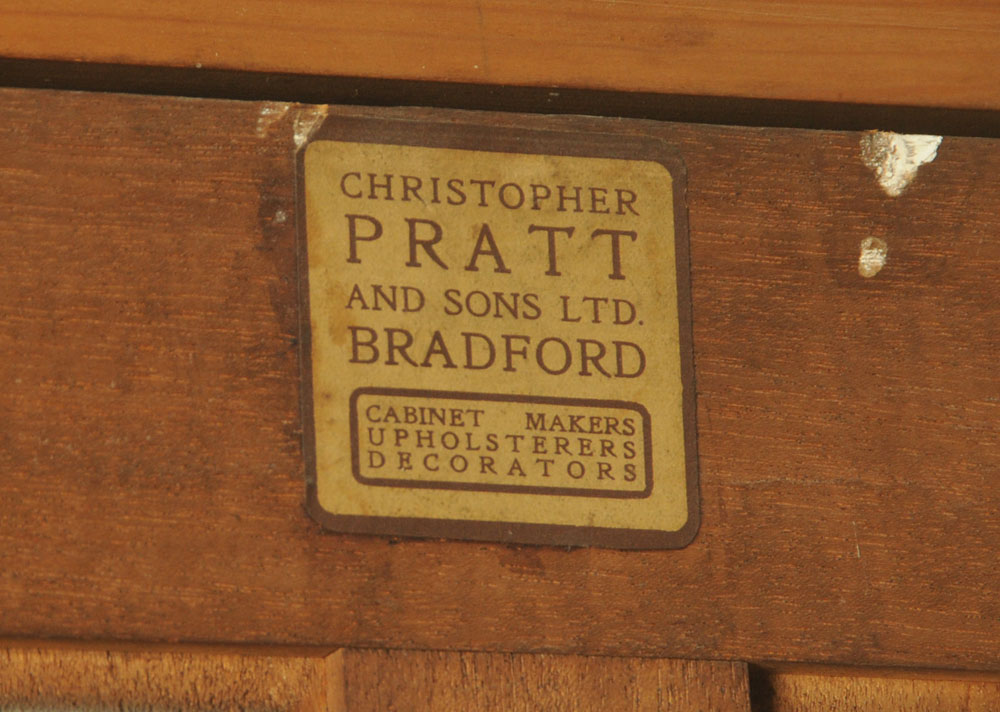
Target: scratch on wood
307	120
857	543
896	158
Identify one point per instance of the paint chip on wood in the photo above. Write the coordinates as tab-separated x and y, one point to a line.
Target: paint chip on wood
872	258
896	158
307	120
270	113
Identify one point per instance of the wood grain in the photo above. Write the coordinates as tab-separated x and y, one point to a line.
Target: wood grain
362	681
820	693
354	680
905	52
380	680
67	679
152	481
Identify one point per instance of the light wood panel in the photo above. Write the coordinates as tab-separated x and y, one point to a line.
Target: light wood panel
68	679
400	680
861	693
905	52
152	482
362	681
354	680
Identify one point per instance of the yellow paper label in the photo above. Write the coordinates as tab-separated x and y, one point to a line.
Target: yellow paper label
494	337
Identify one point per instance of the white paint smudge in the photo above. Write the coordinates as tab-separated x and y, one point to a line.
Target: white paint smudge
270	113
895	158
872	257
307	120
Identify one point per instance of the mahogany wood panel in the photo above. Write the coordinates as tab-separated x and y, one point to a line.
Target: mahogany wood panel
151	476
147	681
820	693
363	681
904	52
377	680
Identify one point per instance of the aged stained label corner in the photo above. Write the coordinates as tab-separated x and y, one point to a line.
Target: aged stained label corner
498	335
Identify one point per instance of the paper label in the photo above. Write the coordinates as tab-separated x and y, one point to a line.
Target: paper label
497	340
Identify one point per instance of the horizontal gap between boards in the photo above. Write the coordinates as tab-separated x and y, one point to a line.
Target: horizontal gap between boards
315	89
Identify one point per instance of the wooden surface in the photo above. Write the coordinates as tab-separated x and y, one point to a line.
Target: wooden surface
152	482
858	693
68	679
375	681
904	52
363	681
353	680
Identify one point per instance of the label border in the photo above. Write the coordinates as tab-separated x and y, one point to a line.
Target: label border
502	398
473	132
